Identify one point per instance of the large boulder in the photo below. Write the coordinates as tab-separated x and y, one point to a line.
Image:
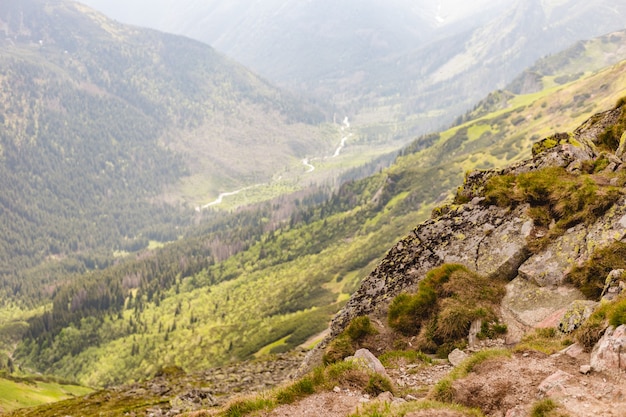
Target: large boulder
527	305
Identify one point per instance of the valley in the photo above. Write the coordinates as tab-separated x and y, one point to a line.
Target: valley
167	213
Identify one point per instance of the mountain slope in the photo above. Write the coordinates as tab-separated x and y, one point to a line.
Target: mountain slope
305	270
399	69
520	247
100	123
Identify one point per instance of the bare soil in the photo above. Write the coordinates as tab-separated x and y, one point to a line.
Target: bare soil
502	387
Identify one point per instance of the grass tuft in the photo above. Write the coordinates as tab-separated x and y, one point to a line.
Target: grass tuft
443	390
447	301
613	313
346	343
546	340
544	408
590	277
553	195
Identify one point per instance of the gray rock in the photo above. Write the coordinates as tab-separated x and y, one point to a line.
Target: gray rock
614	284
585	369
368	359
527	305
385	397
576	314
472	338
610	352
549	268
456	237
457	356
555	383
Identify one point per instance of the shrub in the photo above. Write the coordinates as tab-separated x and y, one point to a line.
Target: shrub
359	328
378	384
448	300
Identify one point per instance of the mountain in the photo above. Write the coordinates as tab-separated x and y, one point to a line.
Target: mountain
111	135
498	296
291	41
175	304
399	69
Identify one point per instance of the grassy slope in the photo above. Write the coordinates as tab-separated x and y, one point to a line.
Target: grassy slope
284	287
19	394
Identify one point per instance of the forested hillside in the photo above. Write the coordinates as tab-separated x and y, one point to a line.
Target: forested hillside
185	305
110	135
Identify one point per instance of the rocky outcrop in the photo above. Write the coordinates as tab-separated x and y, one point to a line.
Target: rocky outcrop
493	241
490	240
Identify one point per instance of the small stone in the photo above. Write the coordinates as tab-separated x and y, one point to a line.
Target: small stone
385	396
457	356
410	397
370	361
585	369
554	382
364	400
337	389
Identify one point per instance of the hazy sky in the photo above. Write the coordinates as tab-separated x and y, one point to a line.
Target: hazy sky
178	15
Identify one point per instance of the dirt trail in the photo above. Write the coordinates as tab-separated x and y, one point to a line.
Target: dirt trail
503	387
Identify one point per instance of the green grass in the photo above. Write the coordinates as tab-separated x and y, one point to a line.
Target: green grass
303	271
342	374
546	408
29	393
392	357
447	301
548	341
609	313
442	391
554	195
591	275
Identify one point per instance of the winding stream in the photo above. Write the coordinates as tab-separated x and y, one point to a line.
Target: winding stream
306	162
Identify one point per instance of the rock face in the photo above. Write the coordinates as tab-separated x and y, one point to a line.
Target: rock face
490	240
493	241
610	352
